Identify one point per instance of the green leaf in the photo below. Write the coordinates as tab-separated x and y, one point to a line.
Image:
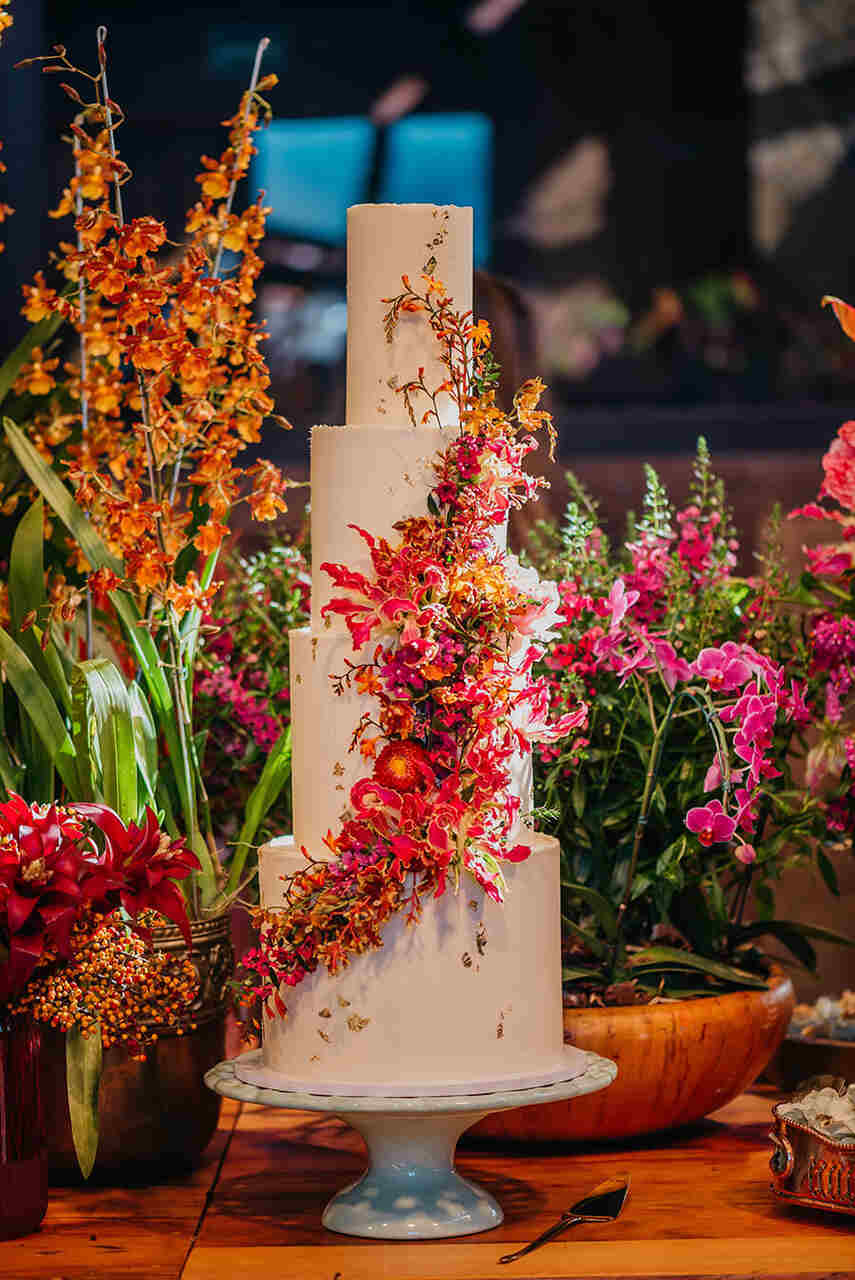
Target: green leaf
36	699
577	795
145	739
83	1058
101	701
601	907
27	594
60	500
827	871
690	914
594	944
818	932
274	776
653	958
570	974
37	336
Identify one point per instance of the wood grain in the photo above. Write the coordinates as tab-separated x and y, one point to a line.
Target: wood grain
700	1207
676	1063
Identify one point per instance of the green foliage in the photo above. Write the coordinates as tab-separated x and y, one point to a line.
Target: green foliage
623	794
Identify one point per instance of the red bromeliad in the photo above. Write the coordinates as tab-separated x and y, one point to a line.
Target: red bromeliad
54	871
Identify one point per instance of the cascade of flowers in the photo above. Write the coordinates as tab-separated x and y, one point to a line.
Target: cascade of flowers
828	596
446	630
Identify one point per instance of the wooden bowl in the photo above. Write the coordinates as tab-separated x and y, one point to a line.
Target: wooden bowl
676	1063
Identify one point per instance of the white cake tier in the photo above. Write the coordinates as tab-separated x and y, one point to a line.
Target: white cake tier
385	242
469	996
371	477
323	768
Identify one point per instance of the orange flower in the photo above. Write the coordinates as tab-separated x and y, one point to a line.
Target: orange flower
39	299
36	377
210	536
143	235
216	182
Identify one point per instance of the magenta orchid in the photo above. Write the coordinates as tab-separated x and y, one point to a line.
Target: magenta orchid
710	823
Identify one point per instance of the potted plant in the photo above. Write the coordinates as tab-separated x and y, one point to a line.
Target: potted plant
134	448
678	807
76	886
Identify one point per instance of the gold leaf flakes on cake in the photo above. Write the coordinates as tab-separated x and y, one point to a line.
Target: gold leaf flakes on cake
467	960
392	383
298	679
500	1031
338	769
473	904
316	1057
356	1023
314	648
481	939
324	1013
339	786
342	1003
324	1036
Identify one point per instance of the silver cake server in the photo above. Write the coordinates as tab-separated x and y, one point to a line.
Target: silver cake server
602	1205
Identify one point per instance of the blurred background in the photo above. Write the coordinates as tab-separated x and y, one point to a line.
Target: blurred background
662	197
661	200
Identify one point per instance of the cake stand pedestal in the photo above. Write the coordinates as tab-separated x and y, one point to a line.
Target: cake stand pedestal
411	1190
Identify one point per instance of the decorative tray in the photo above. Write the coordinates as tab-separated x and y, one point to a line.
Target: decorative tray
813	1161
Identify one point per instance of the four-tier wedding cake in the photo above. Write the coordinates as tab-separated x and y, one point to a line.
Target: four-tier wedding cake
469	998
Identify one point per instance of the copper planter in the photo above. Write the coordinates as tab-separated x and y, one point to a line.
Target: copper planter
809	1168
156	1112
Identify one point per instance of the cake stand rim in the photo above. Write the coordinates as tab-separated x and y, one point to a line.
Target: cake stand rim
598	1073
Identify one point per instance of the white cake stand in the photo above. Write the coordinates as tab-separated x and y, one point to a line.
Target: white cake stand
411	1190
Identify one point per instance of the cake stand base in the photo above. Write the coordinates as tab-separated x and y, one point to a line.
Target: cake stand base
411	1190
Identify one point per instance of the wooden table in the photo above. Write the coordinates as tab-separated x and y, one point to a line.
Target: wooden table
700	1207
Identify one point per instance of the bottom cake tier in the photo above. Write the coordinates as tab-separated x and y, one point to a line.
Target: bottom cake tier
466	1000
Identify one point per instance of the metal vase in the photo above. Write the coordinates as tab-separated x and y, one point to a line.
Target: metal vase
155	1114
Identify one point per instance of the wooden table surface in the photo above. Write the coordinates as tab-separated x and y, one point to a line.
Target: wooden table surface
700	1206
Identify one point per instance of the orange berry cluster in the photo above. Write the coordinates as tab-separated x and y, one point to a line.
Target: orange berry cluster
114	980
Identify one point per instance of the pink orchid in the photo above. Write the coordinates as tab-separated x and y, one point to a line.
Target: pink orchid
710	823
671	665
723	669
746	853
712	778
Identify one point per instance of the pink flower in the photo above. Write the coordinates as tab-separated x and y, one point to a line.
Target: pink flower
672	667
839	467
712	778
745	853
710	823
619	600
723	669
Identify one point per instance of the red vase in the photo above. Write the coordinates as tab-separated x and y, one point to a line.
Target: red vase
23	1156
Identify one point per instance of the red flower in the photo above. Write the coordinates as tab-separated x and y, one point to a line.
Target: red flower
403	766
46	869
141	864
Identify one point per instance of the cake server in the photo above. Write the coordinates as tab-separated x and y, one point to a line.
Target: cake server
603	1204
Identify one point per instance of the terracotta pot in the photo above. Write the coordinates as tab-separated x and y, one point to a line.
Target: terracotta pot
158	1110
676	1062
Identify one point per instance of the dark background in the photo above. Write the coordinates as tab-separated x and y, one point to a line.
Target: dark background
662	89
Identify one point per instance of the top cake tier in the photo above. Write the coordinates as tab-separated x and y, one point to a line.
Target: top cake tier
385	242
